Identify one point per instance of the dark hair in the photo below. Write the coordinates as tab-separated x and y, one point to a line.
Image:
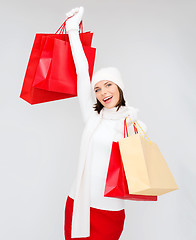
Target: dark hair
98	106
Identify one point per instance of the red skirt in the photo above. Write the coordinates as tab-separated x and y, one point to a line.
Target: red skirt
104	224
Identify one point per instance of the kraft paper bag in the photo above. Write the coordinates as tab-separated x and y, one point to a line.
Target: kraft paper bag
145	168
116	183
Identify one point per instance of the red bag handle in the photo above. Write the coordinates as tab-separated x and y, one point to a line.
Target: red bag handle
62	28
126	128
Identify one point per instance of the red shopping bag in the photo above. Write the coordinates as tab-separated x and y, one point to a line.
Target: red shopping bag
116	184
35	95
56	69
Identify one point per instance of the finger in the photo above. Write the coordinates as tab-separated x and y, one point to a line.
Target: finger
69	13
73	11
76	9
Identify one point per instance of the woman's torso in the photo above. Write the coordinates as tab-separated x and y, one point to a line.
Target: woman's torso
99	155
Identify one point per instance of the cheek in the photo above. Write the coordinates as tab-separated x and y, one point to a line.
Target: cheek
98	96
115	92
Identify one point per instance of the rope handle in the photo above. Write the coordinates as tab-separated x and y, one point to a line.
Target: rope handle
62	28
126	128
135	128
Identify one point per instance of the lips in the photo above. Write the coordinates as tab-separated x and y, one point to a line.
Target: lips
107	98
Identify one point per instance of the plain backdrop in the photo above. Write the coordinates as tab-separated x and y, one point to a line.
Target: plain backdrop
153	45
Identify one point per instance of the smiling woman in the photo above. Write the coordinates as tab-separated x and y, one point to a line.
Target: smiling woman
108	95
88	213
108	85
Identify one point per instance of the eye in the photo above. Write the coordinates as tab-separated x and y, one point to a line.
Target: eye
109	84
97	89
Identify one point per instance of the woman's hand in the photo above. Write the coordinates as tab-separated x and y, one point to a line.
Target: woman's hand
74	18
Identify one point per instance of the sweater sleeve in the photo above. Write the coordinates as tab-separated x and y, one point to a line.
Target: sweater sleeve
84	90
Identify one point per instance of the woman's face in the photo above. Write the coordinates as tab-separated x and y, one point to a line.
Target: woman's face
107	90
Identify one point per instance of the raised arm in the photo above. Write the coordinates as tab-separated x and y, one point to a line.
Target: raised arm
82	68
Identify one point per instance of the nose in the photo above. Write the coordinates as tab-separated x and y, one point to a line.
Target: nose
103	91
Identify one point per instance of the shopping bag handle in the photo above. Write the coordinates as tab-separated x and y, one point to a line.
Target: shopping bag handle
126	129
62	28
135	127
126	132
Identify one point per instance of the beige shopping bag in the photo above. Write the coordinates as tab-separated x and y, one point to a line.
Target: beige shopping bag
146	170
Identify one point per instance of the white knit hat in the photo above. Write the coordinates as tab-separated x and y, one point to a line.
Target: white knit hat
108	73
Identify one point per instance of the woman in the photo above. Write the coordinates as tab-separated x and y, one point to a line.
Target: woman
88	214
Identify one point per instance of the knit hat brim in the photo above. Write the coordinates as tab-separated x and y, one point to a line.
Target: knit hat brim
108	73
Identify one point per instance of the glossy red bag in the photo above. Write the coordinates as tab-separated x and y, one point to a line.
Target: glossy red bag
56	69
116	184
35	95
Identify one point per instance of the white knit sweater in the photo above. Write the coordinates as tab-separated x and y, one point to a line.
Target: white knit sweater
99	133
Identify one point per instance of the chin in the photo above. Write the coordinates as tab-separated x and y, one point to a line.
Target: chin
110	106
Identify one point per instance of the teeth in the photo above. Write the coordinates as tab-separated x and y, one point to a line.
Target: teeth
107	98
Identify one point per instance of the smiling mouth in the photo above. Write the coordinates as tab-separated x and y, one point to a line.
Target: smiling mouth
107	99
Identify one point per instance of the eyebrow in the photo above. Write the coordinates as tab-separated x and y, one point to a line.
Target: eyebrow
104	84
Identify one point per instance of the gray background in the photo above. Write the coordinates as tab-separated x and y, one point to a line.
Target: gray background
153	44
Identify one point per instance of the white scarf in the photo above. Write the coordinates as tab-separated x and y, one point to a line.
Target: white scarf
81	208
